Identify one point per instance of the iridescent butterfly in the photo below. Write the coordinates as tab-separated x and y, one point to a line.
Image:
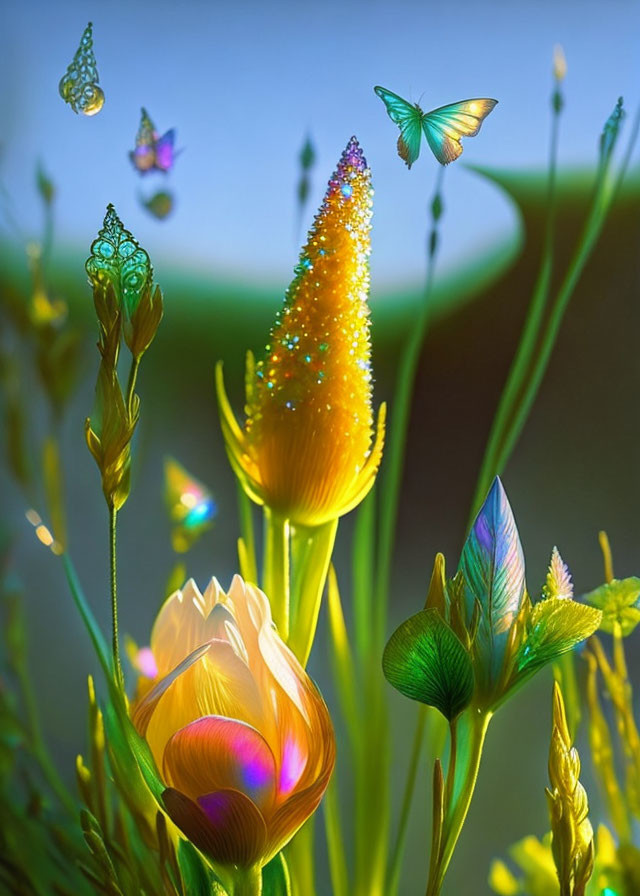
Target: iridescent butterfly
442	127
152	152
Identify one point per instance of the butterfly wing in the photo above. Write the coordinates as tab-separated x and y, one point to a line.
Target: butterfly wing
143	156
445	126
409	120
164	151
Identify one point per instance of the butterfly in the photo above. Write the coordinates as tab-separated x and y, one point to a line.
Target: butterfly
152	151
442	127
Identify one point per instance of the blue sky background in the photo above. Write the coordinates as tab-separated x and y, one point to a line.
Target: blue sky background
244	82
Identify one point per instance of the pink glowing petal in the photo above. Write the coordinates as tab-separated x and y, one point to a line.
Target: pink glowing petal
292	814
146	663
226	826
142	712
216	753
294	761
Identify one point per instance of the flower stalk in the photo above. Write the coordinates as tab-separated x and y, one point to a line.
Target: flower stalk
542	325
129	310
467	735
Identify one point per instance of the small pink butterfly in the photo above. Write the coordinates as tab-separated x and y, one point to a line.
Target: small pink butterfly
152	152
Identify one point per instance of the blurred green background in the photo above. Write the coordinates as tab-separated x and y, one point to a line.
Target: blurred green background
574	470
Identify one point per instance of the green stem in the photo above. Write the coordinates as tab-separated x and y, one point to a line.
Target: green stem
276	568
362	577
462	775
397	431
131	382
301	860
372	789
589	238
530	375
247	882
47	236
248	537
397	852
117	667
311	549
335	841
529	337
54	489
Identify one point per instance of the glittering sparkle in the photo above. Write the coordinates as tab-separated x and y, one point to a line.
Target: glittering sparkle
317	364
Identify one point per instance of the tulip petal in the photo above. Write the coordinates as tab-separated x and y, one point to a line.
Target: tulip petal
142	712
269	657
215	753
292	814
226	825
179	627
221	625
220	684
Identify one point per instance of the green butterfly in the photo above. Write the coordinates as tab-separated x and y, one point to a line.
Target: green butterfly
442	127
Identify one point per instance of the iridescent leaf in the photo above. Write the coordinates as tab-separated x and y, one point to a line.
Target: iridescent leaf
426	661
558	582
555	626
118	260
619	601
492	565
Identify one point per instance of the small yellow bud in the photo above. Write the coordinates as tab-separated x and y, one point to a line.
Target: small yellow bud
572	834
559	63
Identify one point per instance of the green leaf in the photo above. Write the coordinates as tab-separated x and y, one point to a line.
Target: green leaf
117	259
619	601
555	626
426	661
130	748
198	877
275	877
97	639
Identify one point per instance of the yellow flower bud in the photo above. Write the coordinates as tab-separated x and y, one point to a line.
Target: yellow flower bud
307	449
559	63
239	732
